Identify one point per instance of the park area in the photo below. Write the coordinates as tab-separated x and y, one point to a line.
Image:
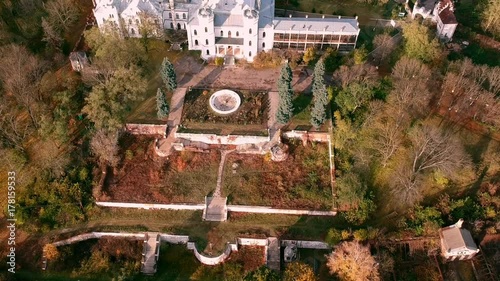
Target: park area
302	181
250	117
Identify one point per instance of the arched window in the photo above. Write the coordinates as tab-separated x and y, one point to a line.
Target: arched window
184	15
263	44
237	34
178	26
172	25
195	32
206	29
229	34
132	31
250	31
196	42
263	35
137	21
221	33
249	43
206	41
250	53
208	52
169	15
184	26
177	16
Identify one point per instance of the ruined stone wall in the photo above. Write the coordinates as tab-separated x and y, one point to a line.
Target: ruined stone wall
228	140
307	136
146	129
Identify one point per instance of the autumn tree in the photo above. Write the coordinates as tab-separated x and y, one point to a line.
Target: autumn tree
353	198
490	20
420	42
285	91
309	55
298	271
351	261
149	27
108	104
168	75
105	147
359	55
50	252
320	95
161	104
384	46
110	52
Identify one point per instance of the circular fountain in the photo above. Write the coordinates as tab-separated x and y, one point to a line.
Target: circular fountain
225	102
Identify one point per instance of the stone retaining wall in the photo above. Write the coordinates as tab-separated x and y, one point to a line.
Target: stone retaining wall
216	139
270	210
307	136
307	244
146	129
192	207
94	235
210	260
252	241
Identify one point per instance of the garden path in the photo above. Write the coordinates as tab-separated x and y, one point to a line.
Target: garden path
223	157
164	145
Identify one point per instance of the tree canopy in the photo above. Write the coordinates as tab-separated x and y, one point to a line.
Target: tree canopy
167	73
352	261
320	95
420	42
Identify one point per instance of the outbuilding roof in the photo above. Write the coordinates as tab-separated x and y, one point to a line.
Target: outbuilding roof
338	25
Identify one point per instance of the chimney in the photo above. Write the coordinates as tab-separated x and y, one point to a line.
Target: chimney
322	16
459	223
290	15
340	17
307	16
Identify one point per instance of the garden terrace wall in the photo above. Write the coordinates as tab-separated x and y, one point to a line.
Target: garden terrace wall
307	136
146	129
216	139
306	244
212	260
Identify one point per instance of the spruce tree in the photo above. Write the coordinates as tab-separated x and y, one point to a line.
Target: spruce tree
284	84
161	104
320	95
168	75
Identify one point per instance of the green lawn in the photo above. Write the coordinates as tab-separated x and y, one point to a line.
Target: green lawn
301	120
144	110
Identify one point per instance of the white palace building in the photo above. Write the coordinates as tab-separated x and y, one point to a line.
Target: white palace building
239	28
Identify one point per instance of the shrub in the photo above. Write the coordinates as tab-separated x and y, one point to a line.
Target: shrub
219	61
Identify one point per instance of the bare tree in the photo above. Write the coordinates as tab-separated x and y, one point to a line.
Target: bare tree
352	261
104	145
62	13
21	72
384	46
386	124
431	149
410	82
362	73
13	130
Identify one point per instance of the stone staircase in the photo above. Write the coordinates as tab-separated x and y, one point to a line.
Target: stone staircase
273	254
150	253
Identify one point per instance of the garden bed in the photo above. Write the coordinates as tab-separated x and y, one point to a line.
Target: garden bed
300	182
252	113
186	177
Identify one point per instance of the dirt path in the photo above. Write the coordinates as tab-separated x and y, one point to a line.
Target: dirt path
223	157
243	77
